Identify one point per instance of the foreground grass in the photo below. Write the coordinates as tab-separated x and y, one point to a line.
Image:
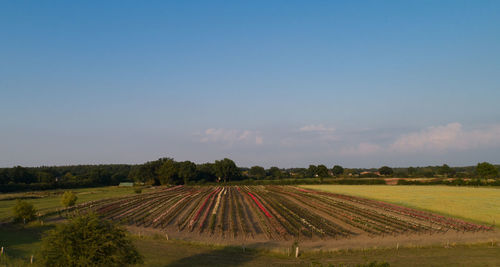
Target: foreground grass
20	242
52	200
472	203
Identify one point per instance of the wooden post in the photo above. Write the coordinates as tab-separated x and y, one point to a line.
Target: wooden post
1	250
397	246
297	252
31	260
166	235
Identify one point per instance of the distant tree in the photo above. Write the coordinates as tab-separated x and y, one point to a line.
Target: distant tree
275	172
187	171
322	171
486	170
169	172
257	172
206	172
68	199
226	169
312	171
88	241
384	170
412	171
446	170
24	211
337	170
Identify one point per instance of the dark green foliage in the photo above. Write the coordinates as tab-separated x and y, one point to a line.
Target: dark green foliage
186	171
226	170
322	171
68	199
486	170
88	241
386	171
24	211
337	170
257	172
275	173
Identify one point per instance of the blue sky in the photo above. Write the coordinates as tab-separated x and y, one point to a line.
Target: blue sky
271	83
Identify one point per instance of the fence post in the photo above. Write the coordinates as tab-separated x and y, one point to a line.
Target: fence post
297	252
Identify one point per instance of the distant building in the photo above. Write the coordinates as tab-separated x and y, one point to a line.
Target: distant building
126	184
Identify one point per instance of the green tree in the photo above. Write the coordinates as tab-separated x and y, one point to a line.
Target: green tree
322	171
337	170
257	172
187	171
446	170
486	170
168	172
226	169
68	199
312	171
24	211
275	172
88	241
384	170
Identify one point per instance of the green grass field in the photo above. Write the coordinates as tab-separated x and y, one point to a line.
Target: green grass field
53	200
478	204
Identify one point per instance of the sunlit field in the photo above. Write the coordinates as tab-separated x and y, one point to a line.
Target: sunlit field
51	200
471	203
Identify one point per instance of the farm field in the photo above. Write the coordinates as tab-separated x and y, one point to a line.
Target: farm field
272	214
45	201
477	204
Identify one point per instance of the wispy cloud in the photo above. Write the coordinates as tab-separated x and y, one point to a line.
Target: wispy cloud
231	136
362	149
321	128
447	137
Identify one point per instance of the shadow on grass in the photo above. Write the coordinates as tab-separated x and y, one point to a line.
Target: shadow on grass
226	256
18	240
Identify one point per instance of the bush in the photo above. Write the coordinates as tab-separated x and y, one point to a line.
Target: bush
137	190
88	241
68	199
24	211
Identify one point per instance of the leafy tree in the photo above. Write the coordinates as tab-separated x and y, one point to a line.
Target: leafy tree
68	199
337	170
322	171
275	172
226	169
168	172
412	171
486	170
257	172
312	171
24	211
446	170
206	172
187	171
88	241
384	170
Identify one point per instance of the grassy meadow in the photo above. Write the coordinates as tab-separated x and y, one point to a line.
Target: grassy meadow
51	200
478	204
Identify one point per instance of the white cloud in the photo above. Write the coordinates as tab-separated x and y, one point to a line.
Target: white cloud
361	149
316	128
229	136
448	137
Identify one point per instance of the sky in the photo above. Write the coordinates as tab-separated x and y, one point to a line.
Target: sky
269	83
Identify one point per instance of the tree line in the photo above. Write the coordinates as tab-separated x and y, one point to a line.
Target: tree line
168	171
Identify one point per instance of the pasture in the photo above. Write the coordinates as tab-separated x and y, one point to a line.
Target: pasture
478	204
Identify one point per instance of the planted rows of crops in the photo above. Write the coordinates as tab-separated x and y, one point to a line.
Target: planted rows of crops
273	212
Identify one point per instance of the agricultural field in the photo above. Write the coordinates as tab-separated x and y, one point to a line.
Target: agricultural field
48	201
478	204
272	214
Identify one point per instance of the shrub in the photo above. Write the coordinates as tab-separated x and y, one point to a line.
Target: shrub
24	211
68	199
88	241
